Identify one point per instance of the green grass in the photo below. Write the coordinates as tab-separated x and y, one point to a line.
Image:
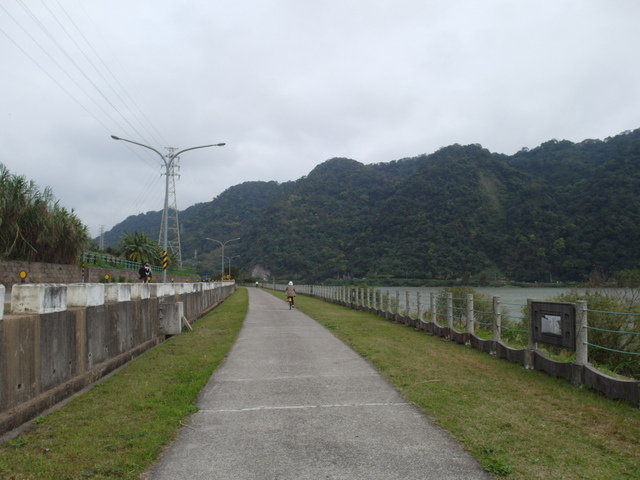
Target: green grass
120	426
519	424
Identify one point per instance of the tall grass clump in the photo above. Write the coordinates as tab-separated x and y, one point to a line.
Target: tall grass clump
33	226
614	321
482	308
513	331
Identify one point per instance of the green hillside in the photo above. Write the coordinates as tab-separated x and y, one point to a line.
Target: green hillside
556	212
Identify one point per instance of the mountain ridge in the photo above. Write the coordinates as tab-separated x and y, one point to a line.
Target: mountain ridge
555	212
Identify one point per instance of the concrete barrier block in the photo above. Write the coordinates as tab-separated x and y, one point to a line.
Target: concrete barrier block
85	294
156	290
38	298
171	314
117	292
140	291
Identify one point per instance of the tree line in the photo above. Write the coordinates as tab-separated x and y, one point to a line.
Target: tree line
558	212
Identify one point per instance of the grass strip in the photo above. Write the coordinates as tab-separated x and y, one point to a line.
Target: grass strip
121	425
519	424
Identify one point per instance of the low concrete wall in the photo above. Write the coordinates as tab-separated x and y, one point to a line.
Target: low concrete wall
59	339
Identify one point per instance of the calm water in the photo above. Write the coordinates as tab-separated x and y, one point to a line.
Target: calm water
512	299
508	295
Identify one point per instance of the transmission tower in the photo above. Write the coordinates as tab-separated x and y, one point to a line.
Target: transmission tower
169	200
173	226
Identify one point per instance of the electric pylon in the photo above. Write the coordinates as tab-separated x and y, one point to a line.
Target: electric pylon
173	226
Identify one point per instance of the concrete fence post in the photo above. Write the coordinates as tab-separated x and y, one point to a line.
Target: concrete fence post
419	302
470	326
407	304
582	349
433	306
497	324
450	313
531	345
497	319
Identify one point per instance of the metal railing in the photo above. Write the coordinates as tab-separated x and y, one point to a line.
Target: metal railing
112	262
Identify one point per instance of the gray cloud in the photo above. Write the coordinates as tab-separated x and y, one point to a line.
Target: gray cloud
288	84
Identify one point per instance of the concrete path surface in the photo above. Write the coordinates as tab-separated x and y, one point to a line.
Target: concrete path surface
293	402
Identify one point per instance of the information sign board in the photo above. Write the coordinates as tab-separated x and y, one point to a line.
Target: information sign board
554	323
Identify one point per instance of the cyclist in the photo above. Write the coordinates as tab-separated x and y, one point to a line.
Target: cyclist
290	292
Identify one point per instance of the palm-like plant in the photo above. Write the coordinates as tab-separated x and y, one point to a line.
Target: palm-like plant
33	226
138	247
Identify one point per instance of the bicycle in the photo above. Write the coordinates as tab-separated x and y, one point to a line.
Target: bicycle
290	302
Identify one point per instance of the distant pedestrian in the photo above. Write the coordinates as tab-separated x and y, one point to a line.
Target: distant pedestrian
145	273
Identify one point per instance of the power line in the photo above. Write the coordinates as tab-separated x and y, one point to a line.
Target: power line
99	72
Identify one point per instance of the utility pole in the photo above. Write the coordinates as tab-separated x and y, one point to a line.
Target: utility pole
222	244
101	245
168	161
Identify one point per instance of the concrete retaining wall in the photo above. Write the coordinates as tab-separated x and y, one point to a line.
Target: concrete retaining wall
65	274
59	339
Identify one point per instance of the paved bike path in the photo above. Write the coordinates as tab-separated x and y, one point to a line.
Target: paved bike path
293	402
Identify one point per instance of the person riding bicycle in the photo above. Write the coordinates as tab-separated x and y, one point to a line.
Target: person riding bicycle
290	292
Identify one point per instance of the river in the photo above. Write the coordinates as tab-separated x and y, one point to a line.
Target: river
512	299
508	295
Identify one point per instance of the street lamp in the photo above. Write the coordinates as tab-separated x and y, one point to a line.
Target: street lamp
229	258
168	163
222	244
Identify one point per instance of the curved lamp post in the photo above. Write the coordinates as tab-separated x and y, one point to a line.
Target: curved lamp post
222	244
168	163
229	258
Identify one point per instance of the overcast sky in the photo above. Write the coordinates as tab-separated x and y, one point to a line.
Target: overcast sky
289	84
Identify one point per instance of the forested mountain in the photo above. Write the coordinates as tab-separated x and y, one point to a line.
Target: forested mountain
556	212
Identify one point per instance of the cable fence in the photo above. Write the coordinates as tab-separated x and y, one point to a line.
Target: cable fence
603	339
